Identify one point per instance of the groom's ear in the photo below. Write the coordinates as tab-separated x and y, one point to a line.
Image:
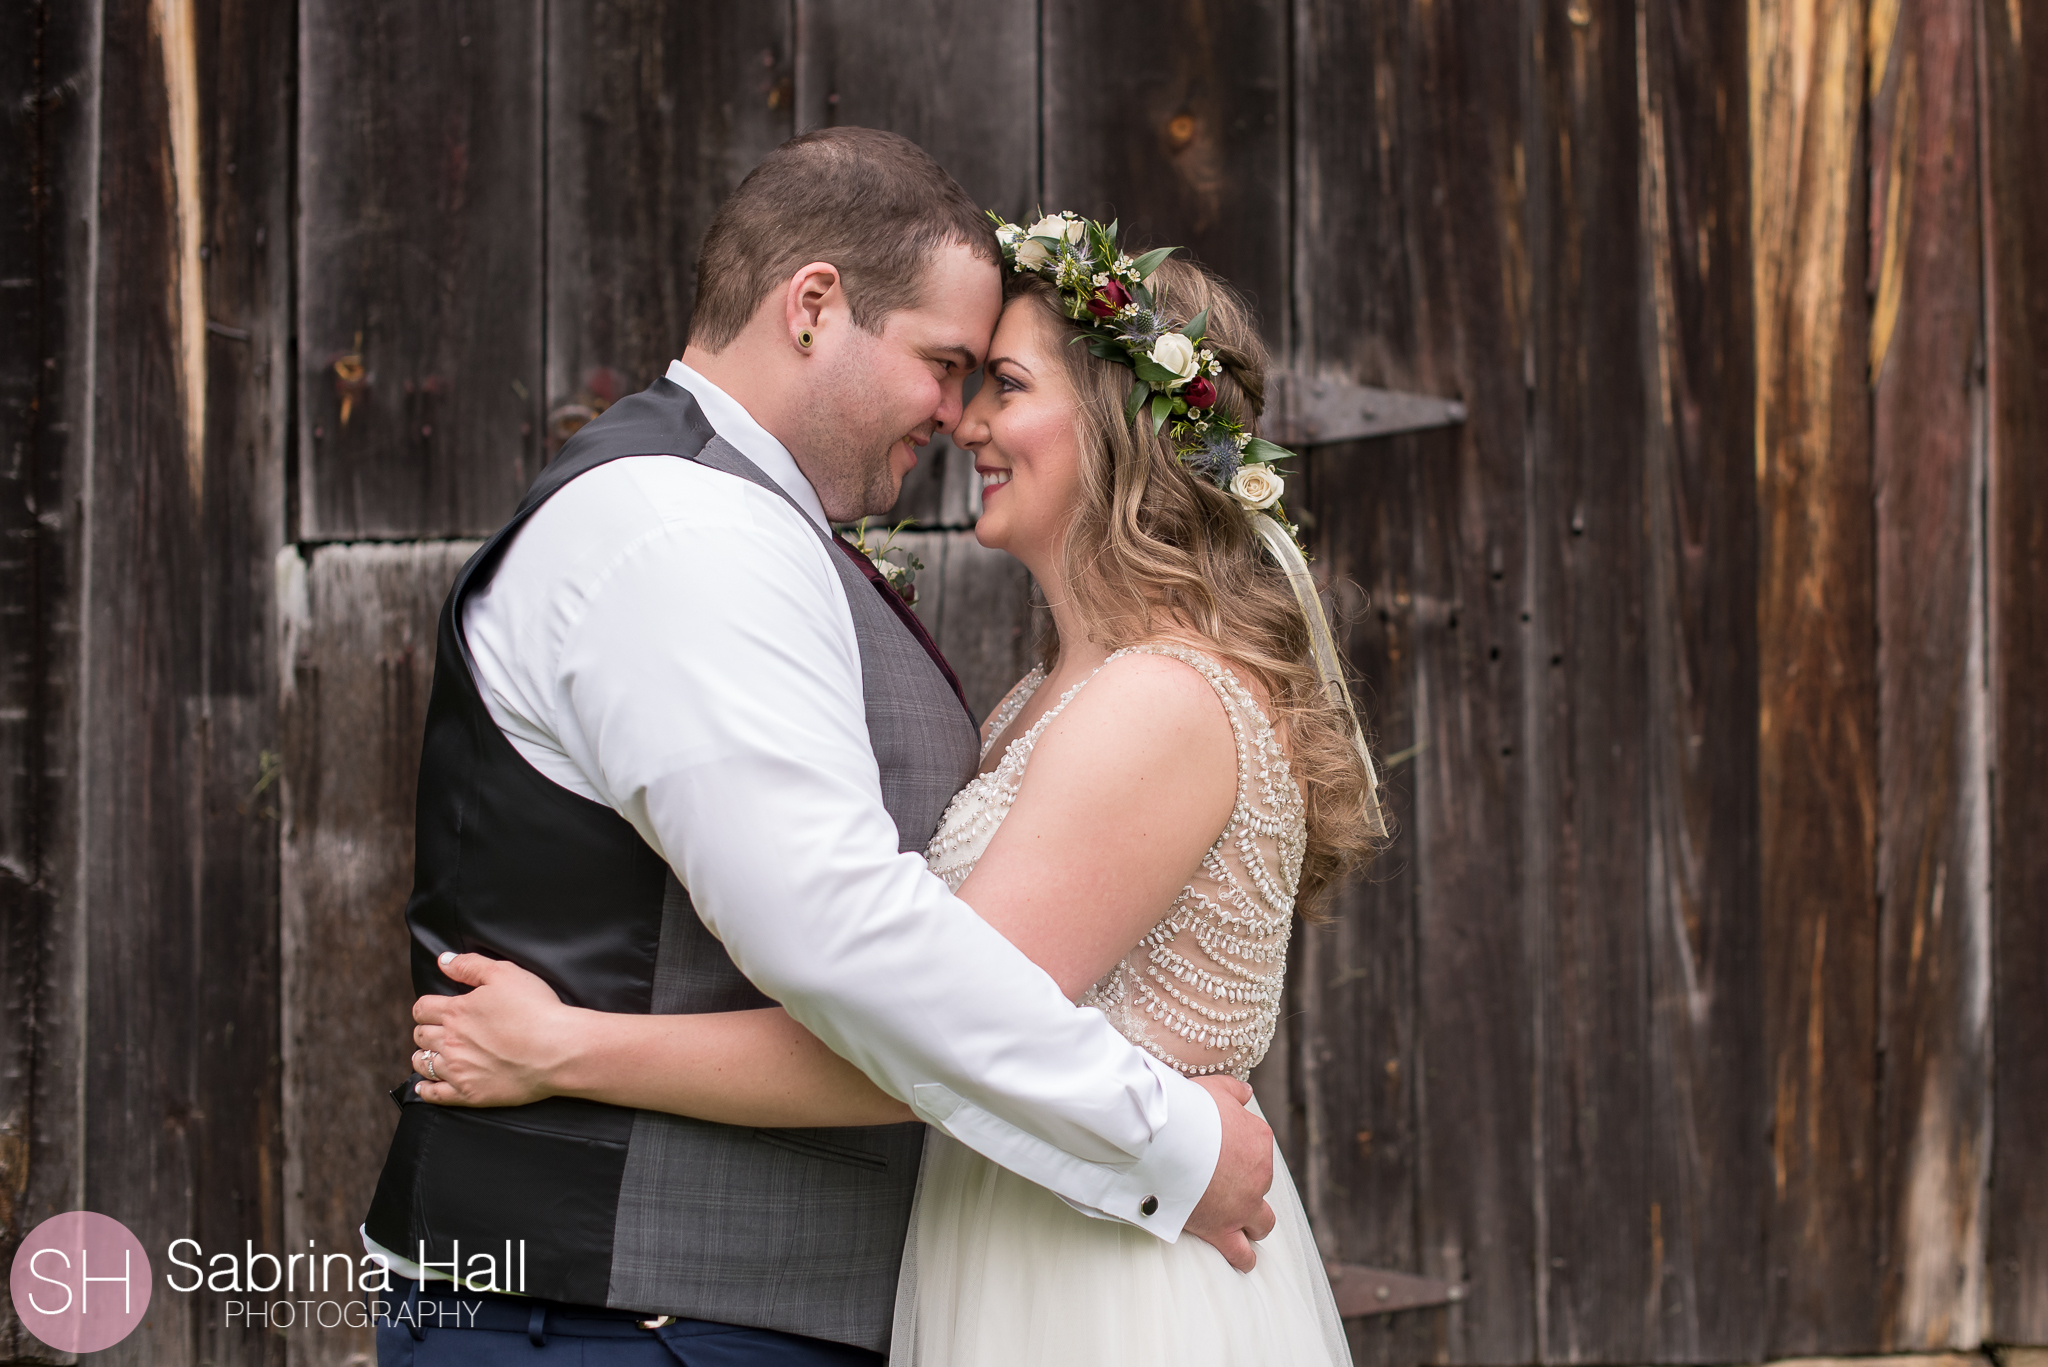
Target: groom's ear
812	292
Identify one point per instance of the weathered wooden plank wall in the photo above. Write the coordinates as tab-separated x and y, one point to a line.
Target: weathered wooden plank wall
1926	367
358	627
420	284
46	167
1705	652
2013	98
1431	293
1817	710
147	475
1706	1061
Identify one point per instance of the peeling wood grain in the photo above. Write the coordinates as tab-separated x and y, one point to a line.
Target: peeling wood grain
2015	111
420	227
1933	851
1816	666
170	24
655	113
1705	1100
358	626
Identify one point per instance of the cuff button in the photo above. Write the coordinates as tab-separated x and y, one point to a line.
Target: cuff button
1149	1206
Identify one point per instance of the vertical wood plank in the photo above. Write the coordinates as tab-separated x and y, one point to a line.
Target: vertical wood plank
2015	111
961	81
1355	1086
183	504
1585	668
358	643
1412	270
655	112
1352	989
1933	864
1816	667
419	187
49	83
1172	118
1705	1103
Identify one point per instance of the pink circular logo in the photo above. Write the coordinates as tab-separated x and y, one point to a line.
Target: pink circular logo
81	1282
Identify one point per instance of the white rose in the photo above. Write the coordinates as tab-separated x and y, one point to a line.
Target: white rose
1176	353
1007	234
1257	487
1032	254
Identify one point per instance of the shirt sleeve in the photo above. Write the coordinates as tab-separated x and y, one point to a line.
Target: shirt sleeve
709	686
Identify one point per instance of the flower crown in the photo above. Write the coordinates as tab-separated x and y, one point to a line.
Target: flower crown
1125	321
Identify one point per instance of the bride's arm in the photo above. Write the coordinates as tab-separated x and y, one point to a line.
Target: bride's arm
512	1041
1124	794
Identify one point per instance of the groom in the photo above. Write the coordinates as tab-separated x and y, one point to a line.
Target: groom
682	751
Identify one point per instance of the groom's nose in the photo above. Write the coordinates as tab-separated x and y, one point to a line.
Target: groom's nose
947	416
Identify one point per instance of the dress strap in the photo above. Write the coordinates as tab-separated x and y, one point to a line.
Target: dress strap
1014	702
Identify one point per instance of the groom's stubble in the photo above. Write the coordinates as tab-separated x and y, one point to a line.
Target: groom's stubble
860	469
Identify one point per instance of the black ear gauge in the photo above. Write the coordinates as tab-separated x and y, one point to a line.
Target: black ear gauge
804	338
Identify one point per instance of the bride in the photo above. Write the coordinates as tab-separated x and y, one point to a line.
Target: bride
1178	779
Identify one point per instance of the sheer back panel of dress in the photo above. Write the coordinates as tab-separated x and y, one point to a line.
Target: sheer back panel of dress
1201	990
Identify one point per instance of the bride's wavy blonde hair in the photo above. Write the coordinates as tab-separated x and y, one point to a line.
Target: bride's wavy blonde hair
1152	540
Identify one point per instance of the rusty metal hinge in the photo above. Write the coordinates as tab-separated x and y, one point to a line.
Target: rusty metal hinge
1308	410
1375	1291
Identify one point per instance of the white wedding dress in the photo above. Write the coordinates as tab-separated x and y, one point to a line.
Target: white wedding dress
999	1271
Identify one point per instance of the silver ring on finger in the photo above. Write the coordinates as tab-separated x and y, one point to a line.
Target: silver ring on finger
428	1058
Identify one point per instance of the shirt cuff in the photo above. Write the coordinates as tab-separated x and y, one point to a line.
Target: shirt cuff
1156	1191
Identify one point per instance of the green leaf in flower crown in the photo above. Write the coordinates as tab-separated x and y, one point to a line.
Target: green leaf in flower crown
1197	326
1149	262
1104	349
1259	451
1151	371
1162	404
1135	400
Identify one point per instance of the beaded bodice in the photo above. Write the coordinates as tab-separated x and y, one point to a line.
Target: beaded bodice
1201	990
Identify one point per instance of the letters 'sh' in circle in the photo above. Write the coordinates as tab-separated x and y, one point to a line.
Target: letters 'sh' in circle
81	1281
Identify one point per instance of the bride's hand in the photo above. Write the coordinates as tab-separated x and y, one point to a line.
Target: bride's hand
496	1045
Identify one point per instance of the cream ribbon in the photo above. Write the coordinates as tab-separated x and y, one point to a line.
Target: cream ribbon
1281	543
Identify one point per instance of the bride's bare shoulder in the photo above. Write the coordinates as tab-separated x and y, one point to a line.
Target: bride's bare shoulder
1150	695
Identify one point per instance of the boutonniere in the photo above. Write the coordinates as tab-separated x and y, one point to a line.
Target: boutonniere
897	566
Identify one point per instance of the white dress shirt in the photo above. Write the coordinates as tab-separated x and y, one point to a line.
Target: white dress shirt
675	643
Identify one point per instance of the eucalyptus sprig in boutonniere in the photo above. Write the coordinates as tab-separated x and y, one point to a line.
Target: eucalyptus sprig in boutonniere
900	573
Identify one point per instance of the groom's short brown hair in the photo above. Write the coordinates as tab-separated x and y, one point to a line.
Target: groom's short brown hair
872	203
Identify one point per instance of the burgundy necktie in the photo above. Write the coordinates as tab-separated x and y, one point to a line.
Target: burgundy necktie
895	600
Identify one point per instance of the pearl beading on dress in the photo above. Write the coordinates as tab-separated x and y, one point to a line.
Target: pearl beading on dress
1200	990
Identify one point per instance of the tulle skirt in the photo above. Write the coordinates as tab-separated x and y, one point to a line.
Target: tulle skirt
998	1271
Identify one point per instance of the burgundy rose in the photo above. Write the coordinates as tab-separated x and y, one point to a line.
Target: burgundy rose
1200	393
1110	299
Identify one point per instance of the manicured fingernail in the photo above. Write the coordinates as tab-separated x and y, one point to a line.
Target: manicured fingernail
447	957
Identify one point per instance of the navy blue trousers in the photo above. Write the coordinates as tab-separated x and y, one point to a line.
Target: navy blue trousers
447	1330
